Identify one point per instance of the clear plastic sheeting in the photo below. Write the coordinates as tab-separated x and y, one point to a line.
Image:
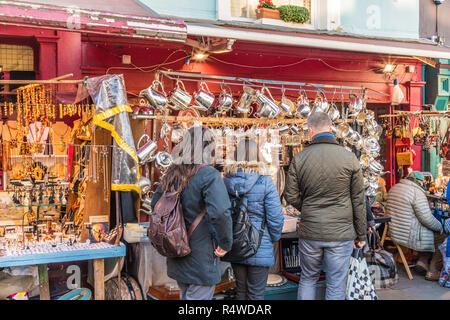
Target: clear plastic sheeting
111	113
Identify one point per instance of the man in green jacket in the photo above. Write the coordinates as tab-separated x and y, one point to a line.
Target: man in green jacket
326	184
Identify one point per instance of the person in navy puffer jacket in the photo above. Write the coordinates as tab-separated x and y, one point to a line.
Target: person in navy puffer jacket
246	176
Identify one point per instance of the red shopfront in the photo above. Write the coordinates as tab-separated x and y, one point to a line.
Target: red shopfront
91	52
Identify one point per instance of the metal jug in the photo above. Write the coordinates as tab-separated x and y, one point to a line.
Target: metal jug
282	129
146	152
355	105
334	113
225	99
177	134
179	98
303	108
321	103
344	131
146	204
247	98
268	108
204	97
286	105
156	99
145	185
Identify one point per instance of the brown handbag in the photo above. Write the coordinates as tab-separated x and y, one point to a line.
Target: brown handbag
167	229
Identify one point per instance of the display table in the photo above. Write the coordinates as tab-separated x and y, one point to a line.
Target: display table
42	259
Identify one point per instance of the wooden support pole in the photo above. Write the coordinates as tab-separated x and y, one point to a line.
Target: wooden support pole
99	279
118	239
44	289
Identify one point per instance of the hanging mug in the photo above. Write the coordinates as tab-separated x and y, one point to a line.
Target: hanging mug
225	99
156	99
177	134
286	105
247	98
321	103
145	185
355	105
360	119
268	108
303	108
145	153
146	204
204	97
282	129
179	98
334	113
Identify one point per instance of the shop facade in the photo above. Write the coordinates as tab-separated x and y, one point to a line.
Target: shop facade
85	43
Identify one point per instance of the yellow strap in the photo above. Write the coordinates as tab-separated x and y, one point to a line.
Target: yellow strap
125	187
99	121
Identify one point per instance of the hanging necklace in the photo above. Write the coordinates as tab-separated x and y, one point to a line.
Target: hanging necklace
37	147
62	143
13	140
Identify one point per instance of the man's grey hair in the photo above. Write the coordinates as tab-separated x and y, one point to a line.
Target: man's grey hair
319	121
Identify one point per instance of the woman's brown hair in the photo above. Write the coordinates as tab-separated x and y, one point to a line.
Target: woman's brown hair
187	163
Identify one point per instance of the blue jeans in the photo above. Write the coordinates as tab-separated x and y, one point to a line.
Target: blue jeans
335	258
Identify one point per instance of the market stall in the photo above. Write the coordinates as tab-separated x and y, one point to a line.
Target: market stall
274	113
429	130
59	169
71	182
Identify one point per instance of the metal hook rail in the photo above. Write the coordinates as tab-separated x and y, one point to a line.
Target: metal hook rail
173	75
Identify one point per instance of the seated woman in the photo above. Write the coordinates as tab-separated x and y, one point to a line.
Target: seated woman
413	225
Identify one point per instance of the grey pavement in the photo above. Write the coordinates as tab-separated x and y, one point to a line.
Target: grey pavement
416	289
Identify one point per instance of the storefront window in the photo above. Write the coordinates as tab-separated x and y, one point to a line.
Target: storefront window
16	58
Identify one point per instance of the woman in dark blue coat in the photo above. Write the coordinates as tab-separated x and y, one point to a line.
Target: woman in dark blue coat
203	188
246	177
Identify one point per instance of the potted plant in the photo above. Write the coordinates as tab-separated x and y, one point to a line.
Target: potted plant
290	13
266	9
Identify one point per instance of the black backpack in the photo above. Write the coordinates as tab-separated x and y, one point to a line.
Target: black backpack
246	238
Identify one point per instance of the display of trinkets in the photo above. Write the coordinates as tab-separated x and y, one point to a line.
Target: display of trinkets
49	247
27	193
